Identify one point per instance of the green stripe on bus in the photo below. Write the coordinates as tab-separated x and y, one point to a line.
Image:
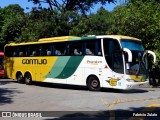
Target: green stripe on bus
70	67
88	38
72	39
64	67
58	67
82	38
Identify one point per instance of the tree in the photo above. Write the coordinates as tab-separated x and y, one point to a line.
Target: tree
43	23
93	24
11	23
71	5
139	19
134	1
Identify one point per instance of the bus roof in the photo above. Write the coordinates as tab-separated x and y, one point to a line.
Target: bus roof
119	37
57	39
73	38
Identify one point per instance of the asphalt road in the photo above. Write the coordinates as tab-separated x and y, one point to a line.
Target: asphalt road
49	101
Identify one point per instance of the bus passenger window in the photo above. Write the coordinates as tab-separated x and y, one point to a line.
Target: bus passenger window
33	53
43	53
48	53
75	48
60	48
34	50
90	47
100	53
15	54
45	49
64	53
21	54
57	52
76	52
88	52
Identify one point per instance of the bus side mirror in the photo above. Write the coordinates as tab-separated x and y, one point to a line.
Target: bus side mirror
150	52
129	53
153	54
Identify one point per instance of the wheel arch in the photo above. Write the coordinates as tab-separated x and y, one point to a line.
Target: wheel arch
27	72
17	73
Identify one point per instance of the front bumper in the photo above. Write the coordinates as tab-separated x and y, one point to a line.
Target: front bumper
132	85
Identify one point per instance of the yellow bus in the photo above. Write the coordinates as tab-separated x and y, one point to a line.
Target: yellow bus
106	61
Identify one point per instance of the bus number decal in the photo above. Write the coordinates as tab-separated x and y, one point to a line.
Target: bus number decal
34	61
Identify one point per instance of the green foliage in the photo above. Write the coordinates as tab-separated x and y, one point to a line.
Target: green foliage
139	19
11	23
38	25
72	5
93	24
43	23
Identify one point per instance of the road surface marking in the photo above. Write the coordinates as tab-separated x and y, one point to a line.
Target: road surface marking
110	106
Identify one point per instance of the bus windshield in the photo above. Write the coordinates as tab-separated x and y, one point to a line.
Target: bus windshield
132	44
137	66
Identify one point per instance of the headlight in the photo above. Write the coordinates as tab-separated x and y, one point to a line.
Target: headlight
130	80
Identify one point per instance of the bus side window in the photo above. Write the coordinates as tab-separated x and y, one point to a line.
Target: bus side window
34	50
60	48
9	51
88	52
34	53
46	49
43	53
90	47
57	52
19	51
48	52
21	54
100	53
15	54
75	48
77	52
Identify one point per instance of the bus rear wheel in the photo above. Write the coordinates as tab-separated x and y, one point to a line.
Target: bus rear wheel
20	78
93	83
28	78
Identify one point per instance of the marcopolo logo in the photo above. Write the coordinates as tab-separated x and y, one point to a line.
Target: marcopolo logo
34	61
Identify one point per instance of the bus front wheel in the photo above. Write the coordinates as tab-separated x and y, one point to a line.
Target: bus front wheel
28	78
93	83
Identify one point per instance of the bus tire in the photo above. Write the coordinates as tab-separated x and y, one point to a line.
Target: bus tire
20	78
93	83
28	79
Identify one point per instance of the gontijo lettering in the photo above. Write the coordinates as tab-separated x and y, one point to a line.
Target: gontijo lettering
34	61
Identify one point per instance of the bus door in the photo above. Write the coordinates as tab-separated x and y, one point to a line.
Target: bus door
117	69
114	59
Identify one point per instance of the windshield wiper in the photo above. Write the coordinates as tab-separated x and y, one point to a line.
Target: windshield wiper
141	65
